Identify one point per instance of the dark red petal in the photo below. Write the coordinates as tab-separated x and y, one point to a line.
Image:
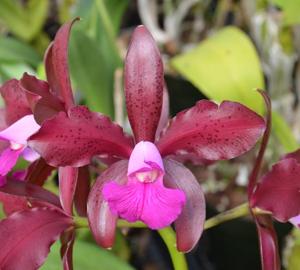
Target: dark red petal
16	105
212	132
67	186
82	191
295	155
42	102
165	113
60	63
278	191
66	250
17	195
38	172
49	68
73	140
102	221
26	237
189	225
270	259
143	85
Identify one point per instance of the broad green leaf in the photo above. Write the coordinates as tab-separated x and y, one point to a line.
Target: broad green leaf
290	9
13	70
12	50
94	55
25	22
284	133
91	73
224	67
86	256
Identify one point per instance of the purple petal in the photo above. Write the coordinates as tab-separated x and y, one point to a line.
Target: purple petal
295	221
19	175
30	155
8	159
26	237
189	225
151	203
143	85
67	186
212	132
74	139
270	259
144	156
21	130
278	191
102	221
60	63
16	104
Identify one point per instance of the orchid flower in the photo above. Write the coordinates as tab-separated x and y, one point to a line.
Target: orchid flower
147	183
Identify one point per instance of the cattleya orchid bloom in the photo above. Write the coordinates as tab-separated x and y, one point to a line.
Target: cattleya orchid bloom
16	135
147	183
282	184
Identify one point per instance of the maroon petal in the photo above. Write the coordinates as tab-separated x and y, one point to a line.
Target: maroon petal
16	105
67	243
278	191
102	221
17	195
60	63
26	237
42	102
38	172
74	139
143	85
268	243
212	132
165	113
189	225
67	186
82	191
295	155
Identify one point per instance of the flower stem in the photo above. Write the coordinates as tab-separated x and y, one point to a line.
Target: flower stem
178	258
239	211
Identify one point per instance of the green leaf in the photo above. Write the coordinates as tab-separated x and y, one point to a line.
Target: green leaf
94	56
25	22
290	9
224	67
284	133
86	256
90	72
12	50
13	70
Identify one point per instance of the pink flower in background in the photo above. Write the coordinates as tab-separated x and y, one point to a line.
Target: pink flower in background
16	135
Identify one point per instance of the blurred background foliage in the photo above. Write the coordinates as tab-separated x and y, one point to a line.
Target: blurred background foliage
216	49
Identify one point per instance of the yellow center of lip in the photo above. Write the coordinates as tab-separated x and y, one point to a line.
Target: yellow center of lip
148	176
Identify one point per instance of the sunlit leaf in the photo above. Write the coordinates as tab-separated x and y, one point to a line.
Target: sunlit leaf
25	22
290	10
86	256
224	67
